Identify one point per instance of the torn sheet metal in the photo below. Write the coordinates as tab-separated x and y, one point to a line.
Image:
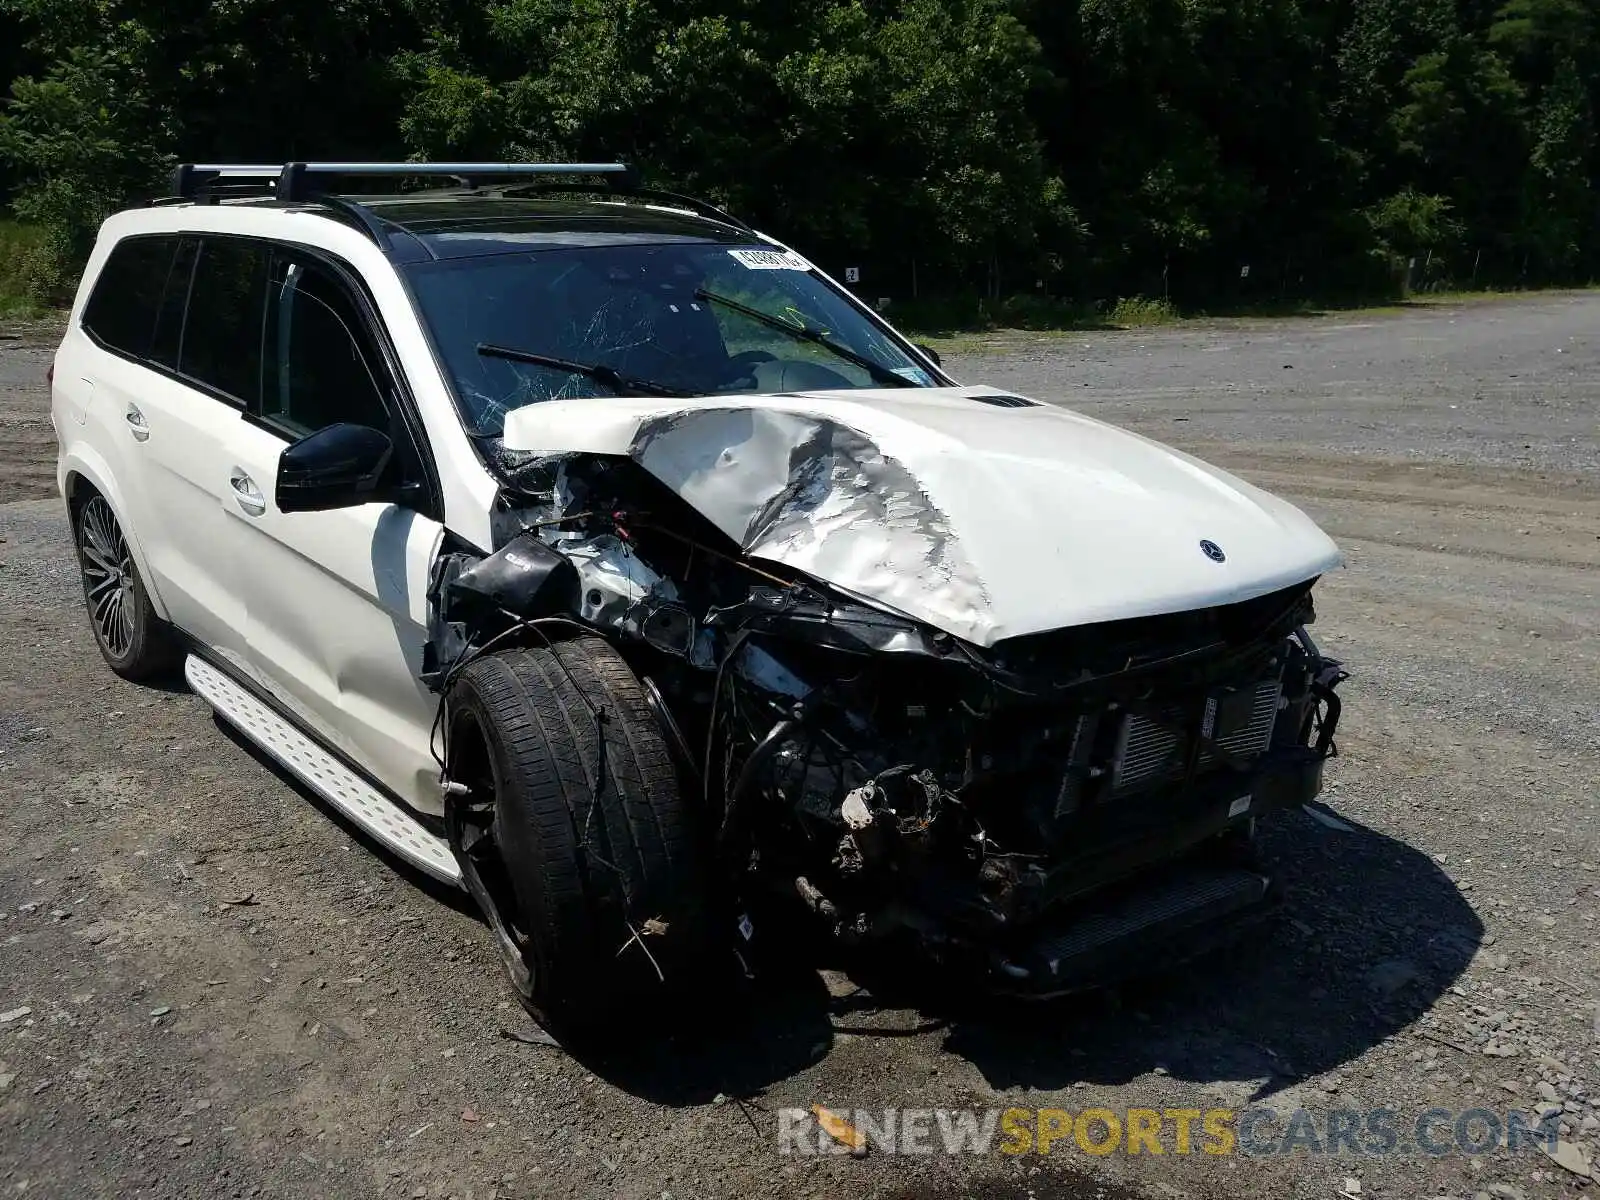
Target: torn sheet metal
613	578
821	497
984	522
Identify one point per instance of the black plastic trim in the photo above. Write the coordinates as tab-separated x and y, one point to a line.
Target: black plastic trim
372	225
150	364
409	412
627	190
404	398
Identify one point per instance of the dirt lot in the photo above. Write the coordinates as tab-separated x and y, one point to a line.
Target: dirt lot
210	987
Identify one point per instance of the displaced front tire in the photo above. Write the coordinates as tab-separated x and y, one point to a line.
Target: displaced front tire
601	863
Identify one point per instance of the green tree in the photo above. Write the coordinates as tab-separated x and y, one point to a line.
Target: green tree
130	85
83	139
1559	213
1544	36
897	133
1107	147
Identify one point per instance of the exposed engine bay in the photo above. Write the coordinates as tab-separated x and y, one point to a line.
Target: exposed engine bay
1015	808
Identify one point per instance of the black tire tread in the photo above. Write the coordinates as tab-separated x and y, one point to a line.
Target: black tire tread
588	869
160	652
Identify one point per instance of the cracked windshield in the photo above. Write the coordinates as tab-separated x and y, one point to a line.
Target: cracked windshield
685	320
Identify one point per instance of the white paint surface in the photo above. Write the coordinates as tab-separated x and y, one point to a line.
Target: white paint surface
985	522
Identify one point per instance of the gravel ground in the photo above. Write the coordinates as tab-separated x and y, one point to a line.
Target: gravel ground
210	986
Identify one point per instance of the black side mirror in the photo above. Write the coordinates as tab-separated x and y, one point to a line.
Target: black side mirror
341	466
931	353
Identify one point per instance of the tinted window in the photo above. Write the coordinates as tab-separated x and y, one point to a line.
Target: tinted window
122	308
222	339
321	368
169	320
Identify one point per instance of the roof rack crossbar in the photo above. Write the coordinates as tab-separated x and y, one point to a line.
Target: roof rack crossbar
298	180
193	181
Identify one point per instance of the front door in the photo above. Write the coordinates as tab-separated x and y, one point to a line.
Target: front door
336	602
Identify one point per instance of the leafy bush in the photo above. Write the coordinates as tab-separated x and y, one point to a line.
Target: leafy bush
84	141
20	249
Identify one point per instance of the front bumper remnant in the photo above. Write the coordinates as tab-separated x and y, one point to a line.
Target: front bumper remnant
1183	915
1117	911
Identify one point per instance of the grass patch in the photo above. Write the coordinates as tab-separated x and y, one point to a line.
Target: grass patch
19	245
979	327
1133	311
950	318
956	322
1379	305
976	327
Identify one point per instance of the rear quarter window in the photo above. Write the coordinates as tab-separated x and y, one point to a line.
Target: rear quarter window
121	311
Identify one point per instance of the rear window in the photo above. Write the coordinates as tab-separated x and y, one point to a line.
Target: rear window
121	312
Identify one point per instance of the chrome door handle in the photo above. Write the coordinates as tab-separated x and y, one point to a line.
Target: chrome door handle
137	425
246	494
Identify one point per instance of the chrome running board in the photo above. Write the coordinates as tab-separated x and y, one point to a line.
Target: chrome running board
359	800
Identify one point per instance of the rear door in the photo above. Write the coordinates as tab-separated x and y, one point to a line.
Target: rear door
336	602
169	408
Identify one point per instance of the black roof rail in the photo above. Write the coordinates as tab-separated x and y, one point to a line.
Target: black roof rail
304	180
625	188
197	181
310	183
360	215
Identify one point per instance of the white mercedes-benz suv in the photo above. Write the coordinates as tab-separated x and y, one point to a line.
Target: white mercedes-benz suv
599	554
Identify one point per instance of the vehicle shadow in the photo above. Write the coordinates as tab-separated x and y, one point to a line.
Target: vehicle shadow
170	682
1371	934
456	898
733	1046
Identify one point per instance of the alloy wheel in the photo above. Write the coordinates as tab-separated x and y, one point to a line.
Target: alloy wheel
108	576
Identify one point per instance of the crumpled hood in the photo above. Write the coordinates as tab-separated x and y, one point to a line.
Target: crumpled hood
985	521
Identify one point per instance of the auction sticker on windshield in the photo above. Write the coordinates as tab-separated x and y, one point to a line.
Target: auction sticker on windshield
771	260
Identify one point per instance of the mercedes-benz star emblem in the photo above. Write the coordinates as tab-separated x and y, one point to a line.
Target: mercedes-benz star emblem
1213	551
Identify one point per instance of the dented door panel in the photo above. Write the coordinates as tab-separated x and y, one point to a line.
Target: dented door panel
336	606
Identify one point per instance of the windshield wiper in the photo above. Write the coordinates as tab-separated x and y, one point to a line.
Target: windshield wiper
804	333
625	385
